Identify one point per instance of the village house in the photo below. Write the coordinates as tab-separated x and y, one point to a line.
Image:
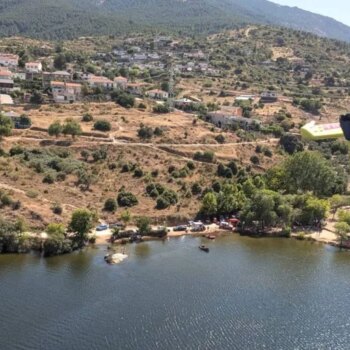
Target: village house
136	88
232	117
269	97
56	76
33	67
8	60
5	74
6	85
120	83
100	82
64	92
6	99
157	94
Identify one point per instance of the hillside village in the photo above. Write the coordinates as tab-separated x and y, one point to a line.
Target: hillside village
155	123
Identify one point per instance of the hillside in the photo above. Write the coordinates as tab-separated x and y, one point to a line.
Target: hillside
67	19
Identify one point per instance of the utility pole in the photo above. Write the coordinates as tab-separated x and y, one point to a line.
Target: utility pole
171	87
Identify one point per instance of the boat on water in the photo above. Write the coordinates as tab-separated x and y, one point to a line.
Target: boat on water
204	248
210	236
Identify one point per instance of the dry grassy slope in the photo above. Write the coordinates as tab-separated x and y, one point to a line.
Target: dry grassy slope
21	180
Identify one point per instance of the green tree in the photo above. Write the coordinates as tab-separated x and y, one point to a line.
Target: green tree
37	98
55	129
209	204
6	126
125	216
55	229
71	127
81	223
102	125
110	205
306	171
144	225
342	229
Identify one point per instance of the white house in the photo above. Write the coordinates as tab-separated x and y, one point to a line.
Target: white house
8	60
158	94
34	67
5	74
63	92
120	83
101	82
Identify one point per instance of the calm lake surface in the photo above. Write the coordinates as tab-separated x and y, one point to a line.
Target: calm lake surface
245	294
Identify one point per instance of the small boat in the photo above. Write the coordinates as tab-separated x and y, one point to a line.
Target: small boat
204	248
210	236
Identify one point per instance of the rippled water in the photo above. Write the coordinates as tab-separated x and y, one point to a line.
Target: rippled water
245	294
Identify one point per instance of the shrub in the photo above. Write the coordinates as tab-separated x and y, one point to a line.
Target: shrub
138	172
16	150
206	156
220	138
161	108
102	125
49	179
127	199
57	209
87	117
125	100
196	189
255	160
110	205
145	132
191	165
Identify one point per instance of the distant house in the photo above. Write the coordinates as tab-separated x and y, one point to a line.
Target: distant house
269	97
6	99
120	83
136	88
64	92
183	102
34	67
56	76
224	119
8	60
5	74
157	94
245	98
6	85
100	82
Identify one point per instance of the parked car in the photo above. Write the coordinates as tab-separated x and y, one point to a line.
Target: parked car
180	228
225	225
117	225
102	227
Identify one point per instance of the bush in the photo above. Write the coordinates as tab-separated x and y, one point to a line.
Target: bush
138	172
168	198
127	199
16	150
87	117
220	138
255	160
57	209
125	100
196	189
110	205
191	165
102	125
206	156
145	132
161	108
49	179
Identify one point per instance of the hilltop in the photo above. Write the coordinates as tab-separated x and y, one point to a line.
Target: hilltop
61	19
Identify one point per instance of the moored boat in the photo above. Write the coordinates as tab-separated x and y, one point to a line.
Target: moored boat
204	248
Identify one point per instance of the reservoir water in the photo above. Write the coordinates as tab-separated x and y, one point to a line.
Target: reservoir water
245	294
